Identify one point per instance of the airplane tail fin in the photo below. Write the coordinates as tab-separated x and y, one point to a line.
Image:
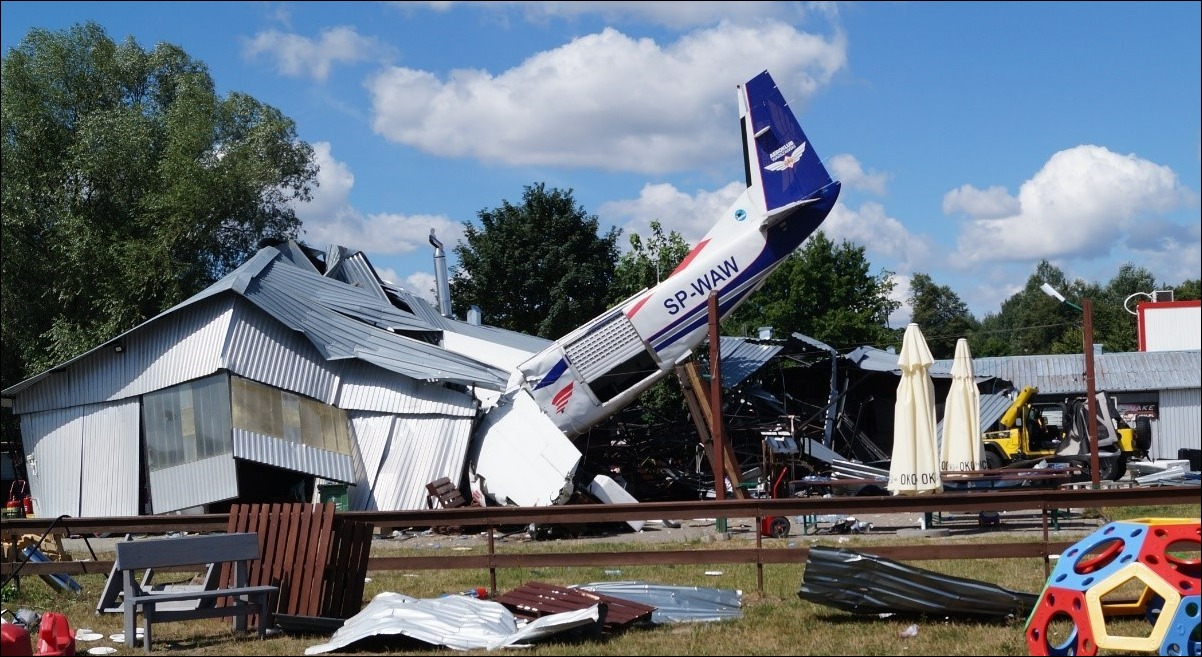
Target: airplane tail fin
779	159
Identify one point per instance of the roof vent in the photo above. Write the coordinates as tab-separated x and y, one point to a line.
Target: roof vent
1162	295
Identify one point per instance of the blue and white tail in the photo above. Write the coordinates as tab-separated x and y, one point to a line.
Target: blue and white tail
783	162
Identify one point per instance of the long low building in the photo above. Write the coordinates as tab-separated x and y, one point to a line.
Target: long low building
1165	386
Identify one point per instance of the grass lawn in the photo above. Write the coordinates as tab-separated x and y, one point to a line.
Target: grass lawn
776	623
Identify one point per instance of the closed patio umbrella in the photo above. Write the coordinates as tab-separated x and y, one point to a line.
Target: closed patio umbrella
961	447
914	465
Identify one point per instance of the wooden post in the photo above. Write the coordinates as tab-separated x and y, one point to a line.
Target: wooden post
697	399
1091	402
716	401
719	451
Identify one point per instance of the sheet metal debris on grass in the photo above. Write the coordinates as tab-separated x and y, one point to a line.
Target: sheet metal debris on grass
868	584
455	621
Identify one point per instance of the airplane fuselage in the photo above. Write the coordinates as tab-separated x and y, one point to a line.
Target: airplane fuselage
604	365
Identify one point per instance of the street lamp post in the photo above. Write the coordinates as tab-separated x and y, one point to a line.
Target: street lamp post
1091	401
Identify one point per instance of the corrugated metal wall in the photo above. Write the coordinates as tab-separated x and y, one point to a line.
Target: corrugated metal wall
292	455
369	441
1180	423
85	460
109	476
193	484
180	347
366	387
264	350
52	440
420	450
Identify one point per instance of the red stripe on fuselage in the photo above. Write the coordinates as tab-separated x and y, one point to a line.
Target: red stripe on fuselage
683	264
689	258
638	305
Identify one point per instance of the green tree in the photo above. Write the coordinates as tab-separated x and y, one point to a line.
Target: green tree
539	267
1031	322
1113	326
826	292
128	185
647	262
1188	290
943	317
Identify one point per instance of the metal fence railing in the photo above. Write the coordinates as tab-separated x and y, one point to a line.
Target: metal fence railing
1048	503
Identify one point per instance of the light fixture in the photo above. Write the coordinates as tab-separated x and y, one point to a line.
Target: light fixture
1127	301
1055	294
118	347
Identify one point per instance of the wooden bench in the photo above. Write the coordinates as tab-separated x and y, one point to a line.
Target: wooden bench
445	493
135	557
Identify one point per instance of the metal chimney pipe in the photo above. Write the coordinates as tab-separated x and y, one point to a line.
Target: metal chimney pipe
440	276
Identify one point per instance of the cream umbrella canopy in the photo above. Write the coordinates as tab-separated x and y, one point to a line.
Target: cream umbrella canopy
914	466
961	448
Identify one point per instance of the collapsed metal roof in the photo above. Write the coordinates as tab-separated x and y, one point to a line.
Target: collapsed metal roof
676	604
742	357
1056	374
343	321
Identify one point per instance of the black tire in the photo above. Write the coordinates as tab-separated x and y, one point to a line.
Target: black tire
779	527
1143	433
993	461
1113	467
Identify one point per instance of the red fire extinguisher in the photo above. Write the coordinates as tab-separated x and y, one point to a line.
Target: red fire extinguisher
18	500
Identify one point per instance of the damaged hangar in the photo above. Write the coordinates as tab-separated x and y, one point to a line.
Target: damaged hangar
295	368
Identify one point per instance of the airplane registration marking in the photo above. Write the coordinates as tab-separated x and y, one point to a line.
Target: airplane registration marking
704	284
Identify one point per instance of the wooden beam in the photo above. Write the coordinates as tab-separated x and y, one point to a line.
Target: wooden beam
696	399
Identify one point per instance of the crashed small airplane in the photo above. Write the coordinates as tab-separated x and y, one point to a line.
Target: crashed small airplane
601	367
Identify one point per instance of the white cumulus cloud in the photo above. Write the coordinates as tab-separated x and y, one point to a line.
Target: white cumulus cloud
589	102
690	215
330	218
847	170
300	56
1083	203
980	203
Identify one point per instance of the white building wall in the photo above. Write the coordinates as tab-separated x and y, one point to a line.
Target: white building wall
193	484
109	472
420	450
53	442
1180	422
369	440
83	461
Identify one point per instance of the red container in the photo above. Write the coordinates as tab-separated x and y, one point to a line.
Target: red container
55	636
15	641
15	507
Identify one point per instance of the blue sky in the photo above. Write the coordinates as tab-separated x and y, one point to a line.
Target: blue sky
973	139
